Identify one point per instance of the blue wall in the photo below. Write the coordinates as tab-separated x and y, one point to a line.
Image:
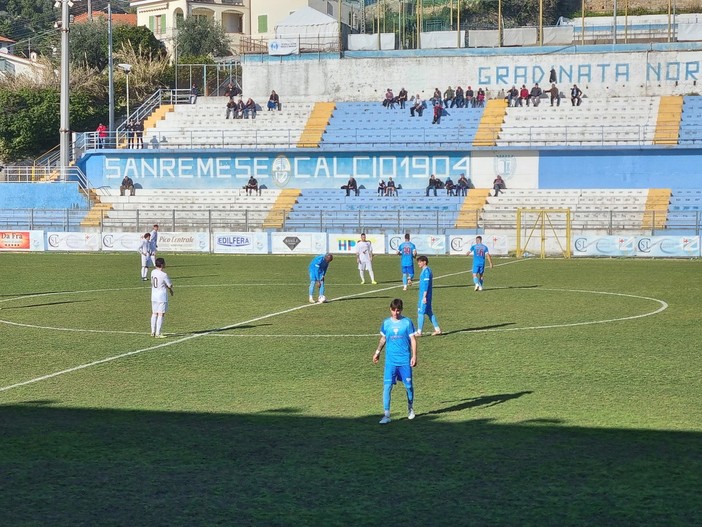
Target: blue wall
41	196
651	168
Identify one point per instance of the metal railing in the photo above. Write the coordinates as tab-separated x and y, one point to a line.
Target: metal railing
60	220
44	174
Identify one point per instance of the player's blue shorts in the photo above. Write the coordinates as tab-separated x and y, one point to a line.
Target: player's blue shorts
478	268
395	373
314	277
408	269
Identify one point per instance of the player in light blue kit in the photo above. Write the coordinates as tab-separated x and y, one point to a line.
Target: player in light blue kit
426	287
407	251
397	334
317	269
479	251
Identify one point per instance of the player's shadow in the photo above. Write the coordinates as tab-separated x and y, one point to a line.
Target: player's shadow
484	401
535	286
36	293
45	304
479	328
222	330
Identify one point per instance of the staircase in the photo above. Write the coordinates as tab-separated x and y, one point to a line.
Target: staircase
656	210
97	210
491	123
470	212
668	123
285	202
316	124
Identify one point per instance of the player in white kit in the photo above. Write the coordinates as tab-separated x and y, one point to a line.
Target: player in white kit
146	251
161	285
364	257
154	241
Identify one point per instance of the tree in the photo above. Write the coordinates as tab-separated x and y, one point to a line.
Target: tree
201	36
89	42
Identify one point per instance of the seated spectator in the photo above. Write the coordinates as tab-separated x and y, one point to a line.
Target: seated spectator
524	95
351	186
240	106
535	95
449	186
498	185
127	184
576	95
512	96
250	109
432	185
462	186
231	108
194	92
480	98
555	94
273	101
389	100
390	189
449	96
418	106
402	98
459	100
470	98
381	187
251	186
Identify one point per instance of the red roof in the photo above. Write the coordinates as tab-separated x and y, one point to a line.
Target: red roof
3	39
117	18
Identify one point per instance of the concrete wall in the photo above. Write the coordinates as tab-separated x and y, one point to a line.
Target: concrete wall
631	70
41	196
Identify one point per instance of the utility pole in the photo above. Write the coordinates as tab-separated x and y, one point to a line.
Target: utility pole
65	125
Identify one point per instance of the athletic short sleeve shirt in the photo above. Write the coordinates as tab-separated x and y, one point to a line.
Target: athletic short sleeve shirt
159	286
479	251
407	250
398	347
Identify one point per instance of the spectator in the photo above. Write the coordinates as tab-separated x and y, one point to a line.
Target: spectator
555	95
251	186
432	185
139	129
390	189
449	186
498	185
480	98
273	101
436	98
130	133
576	95
470	98
402	98
437	113
462	185
381	187
449	96
552	75
389	100
512	96
127	184
459	100
535	95
101	135
250	109
351	186
194	92
418	106
240	106
231	108
232	91
524	95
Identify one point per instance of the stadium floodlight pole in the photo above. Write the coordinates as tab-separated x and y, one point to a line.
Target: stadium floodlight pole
582	15
65	125
614	22
499	23
541	22
110	72
340	38
458	21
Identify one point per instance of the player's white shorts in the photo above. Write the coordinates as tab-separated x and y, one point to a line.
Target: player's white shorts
146	261
365	265
159	307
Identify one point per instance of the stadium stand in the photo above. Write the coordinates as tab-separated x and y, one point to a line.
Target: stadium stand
684	212
614	121
372	127
691	121
203	125
187	209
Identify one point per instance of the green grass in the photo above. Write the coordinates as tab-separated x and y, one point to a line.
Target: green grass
547	402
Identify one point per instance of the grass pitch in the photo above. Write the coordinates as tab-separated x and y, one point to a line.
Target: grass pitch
566	393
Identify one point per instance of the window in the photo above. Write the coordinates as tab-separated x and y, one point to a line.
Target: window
263	24
157	24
